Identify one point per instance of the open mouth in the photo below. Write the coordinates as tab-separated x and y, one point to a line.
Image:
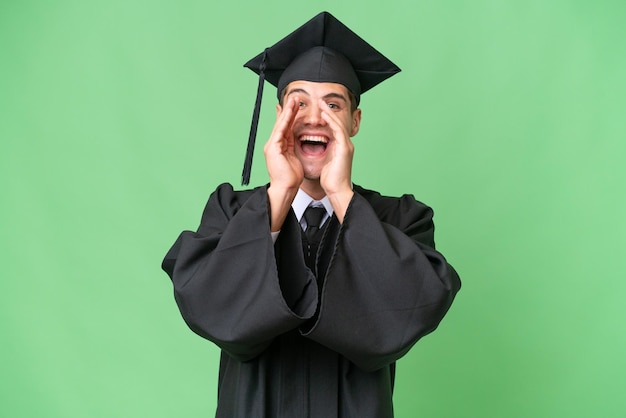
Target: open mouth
313	144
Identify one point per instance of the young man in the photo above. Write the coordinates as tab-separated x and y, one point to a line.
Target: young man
311	285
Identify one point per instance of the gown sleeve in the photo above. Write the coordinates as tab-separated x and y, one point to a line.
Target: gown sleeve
226	276
386	286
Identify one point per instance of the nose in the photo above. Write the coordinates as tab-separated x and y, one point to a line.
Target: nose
312	115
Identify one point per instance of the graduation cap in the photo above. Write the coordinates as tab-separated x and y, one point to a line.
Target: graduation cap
322	50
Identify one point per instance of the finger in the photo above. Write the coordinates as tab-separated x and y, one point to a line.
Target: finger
291	109
339	131
285	119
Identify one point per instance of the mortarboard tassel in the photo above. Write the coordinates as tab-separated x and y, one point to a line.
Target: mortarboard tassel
247	166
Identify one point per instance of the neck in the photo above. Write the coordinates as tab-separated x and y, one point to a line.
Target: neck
313	188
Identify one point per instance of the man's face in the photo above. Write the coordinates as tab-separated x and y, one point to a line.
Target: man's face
314	139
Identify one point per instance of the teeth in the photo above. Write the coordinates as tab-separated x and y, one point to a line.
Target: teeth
312	138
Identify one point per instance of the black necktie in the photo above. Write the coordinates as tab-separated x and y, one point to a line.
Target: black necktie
313	216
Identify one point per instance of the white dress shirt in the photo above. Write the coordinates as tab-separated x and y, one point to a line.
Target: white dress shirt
299	205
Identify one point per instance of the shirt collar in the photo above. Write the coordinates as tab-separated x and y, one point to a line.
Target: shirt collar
303	201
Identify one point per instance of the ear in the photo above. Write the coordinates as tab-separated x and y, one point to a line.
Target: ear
279	109
356	122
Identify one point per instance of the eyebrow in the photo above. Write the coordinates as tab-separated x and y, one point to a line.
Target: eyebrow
331	95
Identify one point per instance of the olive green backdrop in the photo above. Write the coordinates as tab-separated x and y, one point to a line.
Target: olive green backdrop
119	117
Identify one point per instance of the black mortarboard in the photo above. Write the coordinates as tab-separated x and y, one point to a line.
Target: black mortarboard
321	50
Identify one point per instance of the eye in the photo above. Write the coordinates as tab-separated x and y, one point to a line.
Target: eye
333	105
301	104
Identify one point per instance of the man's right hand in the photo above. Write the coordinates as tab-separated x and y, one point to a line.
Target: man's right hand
284	168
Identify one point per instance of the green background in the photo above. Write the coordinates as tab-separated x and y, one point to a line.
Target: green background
119	117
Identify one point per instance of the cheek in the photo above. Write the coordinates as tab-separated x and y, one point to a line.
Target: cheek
348	123
297	120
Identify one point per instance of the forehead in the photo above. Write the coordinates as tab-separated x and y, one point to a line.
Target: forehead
316	89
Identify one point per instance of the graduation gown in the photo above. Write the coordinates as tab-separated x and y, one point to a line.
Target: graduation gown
298	342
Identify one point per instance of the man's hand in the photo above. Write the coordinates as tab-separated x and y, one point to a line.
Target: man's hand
336	176
284	168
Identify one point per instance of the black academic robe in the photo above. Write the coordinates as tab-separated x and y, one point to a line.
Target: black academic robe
297	346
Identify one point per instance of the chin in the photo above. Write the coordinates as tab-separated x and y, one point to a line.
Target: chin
311	177
312	170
